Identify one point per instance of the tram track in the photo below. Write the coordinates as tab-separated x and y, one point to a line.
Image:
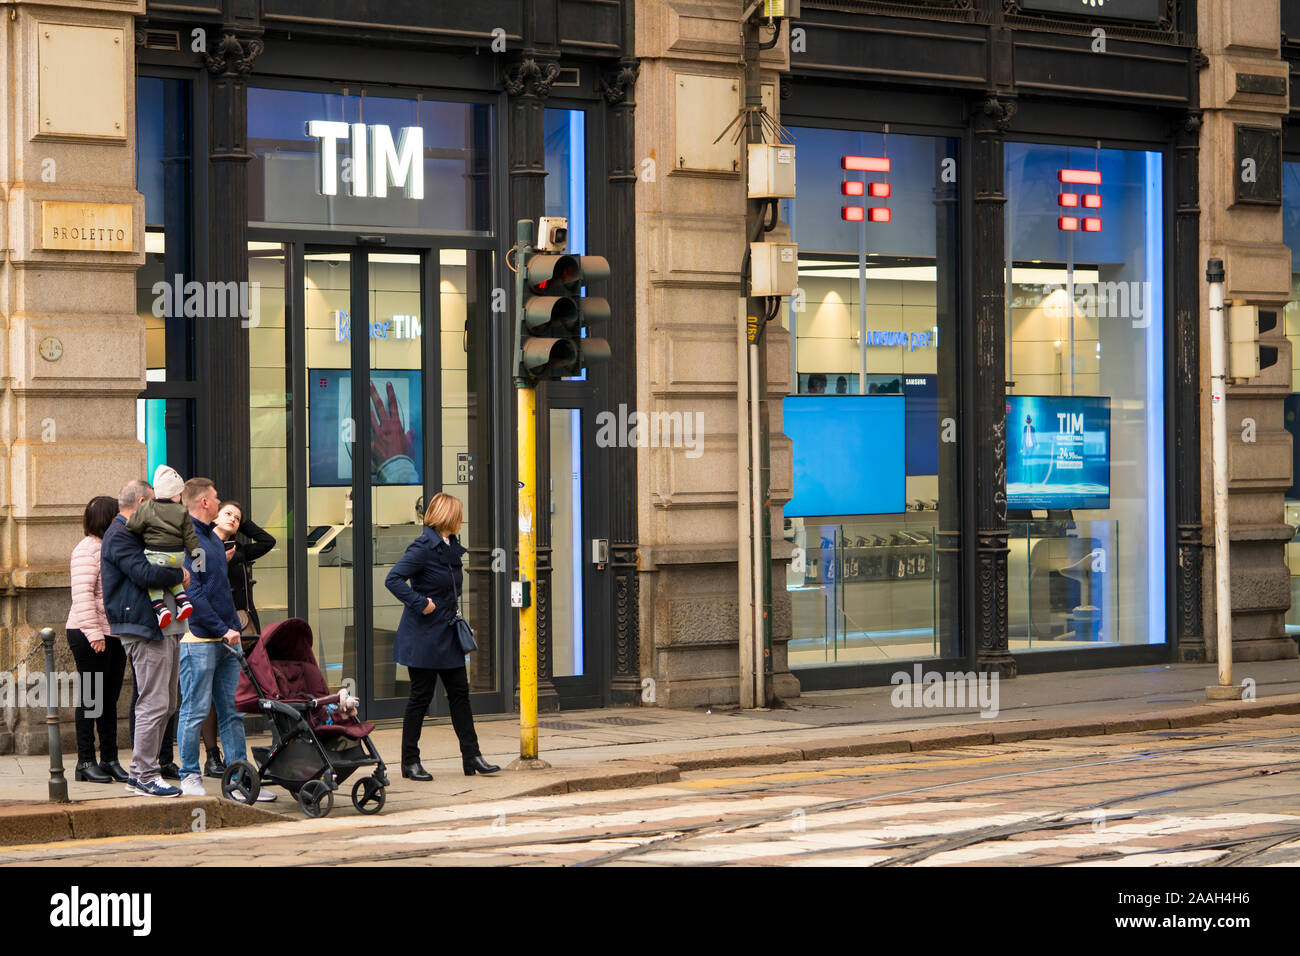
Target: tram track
922	847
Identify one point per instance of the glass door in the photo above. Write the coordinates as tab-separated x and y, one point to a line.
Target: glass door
576	650
395	406
395	379
329	558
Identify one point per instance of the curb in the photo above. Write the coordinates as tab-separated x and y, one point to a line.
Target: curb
619	774
27	823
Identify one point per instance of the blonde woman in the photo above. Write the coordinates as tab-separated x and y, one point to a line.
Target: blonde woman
428	580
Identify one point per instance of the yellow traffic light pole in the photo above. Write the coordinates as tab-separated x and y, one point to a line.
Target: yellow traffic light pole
527	448
526	455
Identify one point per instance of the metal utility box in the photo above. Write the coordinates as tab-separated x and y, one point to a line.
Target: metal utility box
774	268
771	171
1243	342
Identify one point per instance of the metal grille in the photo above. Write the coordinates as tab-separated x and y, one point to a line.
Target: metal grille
561	725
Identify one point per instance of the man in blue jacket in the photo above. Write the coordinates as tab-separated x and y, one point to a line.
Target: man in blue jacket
127	576
209	672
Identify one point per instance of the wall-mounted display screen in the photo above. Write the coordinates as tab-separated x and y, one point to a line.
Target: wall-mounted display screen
922	395
1058	452
848	454
396	427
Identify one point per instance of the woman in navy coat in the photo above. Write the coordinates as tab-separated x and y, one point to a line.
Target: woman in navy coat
427	580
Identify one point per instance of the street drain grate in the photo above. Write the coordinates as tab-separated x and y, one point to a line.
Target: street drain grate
622	721
562	725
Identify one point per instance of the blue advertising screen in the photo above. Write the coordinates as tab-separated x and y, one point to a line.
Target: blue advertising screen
1058	452
396	427
922	395
848	454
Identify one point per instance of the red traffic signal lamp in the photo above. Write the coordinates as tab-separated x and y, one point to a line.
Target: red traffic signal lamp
556	314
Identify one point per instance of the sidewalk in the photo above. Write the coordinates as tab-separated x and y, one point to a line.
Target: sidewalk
602	749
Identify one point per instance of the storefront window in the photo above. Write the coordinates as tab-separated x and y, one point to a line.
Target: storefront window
165	411
1291	318
1085	405
412	165
874	517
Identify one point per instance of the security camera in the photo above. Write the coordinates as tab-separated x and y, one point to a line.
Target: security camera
552	233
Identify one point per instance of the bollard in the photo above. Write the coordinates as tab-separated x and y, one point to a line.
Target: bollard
58	783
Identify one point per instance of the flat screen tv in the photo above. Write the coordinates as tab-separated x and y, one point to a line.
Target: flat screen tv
395	411
848	454
1058	452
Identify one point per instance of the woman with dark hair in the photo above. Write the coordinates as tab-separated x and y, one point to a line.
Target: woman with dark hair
245	543
101	660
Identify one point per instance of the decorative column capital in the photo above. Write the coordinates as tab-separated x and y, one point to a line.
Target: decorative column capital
617	84
995	113
234	57
531	77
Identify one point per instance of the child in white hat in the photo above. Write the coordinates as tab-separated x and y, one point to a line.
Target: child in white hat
168	534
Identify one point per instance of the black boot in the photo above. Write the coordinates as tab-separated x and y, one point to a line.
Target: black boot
413	771
114	770
214	766
89	772
477	764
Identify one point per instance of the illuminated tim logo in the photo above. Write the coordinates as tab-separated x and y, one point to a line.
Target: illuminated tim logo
1073	200
1070	423
857	187
376	162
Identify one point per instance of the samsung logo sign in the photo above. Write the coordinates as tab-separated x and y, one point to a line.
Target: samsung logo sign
910	340
377	162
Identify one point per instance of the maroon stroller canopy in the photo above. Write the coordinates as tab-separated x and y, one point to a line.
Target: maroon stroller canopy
286	669
284	666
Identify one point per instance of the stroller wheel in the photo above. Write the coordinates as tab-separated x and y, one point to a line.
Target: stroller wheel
241	777
368	795
316	798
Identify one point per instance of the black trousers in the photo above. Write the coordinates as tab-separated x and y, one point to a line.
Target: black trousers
455	682
111	663
166	750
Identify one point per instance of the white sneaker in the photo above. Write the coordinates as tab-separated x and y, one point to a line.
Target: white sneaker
192	786
263	796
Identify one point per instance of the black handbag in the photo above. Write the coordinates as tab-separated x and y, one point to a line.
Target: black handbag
464	633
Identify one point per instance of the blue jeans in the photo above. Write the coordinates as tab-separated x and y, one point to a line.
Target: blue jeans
209	674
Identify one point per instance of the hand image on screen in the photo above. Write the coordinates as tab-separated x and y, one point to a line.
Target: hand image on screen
392	447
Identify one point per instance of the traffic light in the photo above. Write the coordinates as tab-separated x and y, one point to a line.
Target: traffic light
556	314
1246	356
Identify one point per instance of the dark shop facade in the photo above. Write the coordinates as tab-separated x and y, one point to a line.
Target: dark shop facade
360	166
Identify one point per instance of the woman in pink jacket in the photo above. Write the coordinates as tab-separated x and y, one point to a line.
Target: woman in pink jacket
101	661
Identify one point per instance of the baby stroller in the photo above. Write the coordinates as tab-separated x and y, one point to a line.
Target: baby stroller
313	747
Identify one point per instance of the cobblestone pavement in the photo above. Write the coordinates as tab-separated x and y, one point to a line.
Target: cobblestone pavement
1222	794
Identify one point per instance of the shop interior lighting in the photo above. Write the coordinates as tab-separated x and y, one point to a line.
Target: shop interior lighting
1086	177
881	214
1092	225
1067	199
878	190
853	213
866	164
1092	201
853	187
1068	223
